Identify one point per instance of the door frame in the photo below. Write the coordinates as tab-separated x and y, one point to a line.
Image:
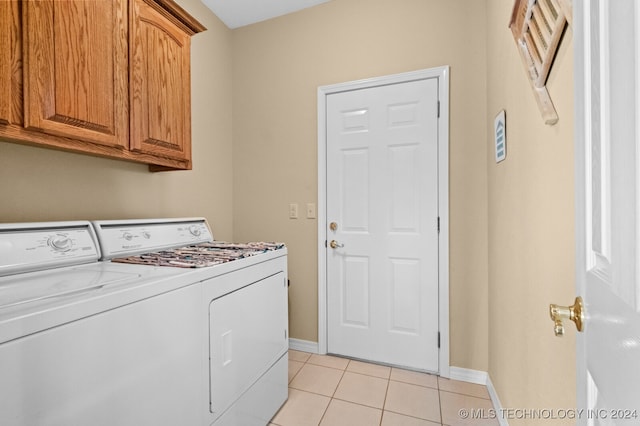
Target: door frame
442	74
582	124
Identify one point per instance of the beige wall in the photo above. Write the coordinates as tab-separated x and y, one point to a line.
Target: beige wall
41	184
277	68
531	229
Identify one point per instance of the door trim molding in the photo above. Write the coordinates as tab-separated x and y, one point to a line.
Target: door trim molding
582	124
442	74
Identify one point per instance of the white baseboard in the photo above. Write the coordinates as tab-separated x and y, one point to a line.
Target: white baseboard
303	345
480	378
497	405
468	375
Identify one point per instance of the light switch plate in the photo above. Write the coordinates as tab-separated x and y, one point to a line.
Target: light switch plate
311	211
293	210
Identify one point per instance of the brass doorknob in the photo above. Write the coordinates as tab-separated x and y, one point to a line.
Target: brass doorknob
574	313
334	244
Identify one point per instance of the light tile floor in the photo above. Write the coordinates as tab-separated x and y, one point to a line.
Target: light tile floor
333	391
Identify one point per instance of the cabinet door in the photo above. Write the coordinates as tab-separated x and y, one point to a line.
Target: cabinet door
76	67
159	84
10	63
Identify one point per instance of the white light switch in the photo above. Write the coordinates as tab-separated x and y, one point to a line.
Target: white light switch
311	211
293	211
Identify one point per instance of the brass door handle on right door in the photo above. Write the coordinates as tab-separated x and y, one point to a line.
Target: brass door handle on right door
574	313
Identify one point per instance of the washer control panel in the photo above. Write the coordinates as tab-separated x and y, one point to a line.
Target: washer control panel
33	246
127	238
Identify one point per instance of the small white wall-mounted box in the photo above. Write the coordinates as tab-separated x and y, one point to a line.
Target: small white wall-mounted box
500	135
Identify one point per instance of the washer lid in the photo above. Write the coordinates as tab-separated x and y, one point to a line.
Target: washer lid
25	288
26	247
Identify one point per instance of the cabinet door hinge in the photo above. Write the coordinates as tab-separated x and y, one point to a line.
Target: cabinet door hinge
438	340
438	224
438	109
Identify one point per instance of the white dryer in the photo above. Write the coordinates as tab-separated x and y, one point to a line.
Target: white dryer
244	309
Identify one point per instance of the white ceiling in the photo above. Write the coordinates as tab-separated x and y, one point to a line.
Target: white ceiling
238	13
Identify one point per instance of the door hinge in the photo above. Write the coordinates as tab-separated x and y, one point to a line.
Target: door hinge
438	224
438	340
438	109
285	336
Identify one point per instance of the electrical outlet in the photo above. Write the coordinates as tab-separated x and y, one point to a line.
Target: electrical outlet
293	211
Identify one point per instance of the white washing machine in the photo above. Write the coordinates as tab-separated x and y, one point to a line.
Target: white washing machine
100	342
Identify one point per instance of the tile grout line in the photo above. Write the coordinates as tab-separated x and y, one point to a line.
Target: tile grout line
439	400
334	392
464	394
386	393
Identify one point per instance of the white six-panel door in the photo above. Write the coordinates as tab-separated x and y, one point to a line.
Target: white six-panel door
607	46
382	195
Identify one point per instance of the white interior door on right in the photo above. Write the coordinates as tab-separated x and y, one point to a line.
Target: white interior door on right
607	46
382	223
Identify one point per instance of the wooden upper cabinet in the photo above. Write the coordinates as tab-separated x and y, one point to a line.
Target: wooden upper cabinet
102	77
10	63
160	79
76	70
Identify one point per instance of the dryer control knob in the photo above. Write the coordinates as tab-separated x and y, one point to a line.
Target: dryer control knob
195	230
